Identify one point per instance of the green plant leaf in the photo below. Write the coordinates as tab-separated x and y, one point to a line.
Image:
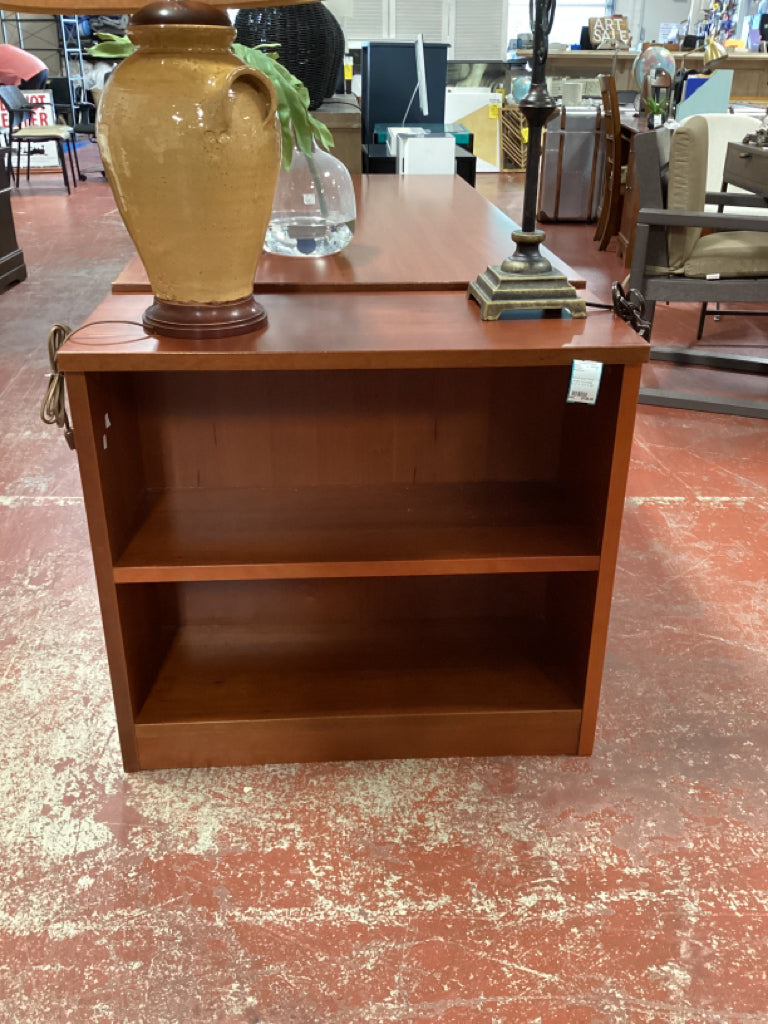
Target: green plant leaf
296	122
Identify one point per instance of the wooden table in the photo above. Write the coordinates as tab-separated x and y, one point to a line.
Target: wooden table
746	167
413	232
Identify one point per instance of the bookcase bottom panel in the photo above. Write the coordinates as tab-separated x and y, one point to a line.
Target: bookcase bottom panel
358	738
247	694
335	670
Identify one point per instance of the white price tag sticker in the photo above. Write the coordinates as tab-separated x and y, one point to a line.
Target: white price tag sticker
585	381
309	198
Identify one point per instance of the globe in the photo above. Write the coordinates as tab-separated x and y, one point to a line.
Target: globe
520	88
653	57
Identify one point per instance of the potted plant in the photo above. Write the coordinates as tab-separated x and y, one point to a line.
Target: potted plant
657	112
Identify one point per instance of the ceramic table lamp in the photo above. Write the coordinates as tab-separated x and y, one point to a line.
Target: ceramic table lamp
191	147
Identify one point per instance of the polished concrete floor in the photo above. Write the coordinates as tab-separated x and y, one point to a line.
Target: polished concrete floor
628	888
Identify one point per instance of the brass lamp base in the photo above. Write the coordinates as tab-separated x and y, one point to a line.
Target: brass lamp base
497	291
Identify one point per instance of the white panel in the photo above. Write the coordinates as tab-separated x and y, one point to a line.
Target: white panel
367	21
481	30
426	16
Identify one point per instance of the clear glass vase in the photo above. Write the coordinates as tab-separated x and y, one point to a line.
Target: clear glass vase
313	213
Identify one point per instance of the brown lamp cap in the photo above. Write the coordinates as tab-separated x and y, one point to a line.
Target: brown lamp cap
180	12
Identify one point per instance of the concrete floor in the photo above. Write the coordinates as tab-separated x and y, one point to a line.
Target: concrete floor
628	888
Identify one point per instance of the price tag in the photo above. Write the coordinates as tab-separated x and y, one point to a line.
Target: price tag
309	198
585	381
493	111
524	133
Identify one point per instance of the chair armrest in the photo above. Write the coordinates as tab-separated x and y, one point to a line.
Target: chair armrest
748	199
702	219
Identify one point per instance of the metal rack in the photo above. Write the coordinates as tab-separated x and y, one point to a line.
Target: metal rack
71	44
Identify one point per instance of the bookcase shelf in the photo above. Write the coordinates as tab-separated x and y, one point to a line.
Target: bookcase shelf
313	546
377	530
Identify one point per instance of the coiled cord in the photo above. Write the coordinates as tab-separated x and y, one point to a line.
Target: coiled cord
53	408
54	405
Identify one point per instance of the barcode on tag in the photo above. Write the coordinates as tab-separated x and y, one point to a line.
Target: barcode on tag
585	381
309	198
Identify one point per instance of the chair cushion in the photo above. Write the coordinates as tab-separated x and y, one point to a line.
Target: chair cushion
687	184
730	254
38	132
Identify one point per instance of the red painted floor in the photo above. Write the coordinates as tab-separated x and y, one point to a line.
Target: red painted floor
628	888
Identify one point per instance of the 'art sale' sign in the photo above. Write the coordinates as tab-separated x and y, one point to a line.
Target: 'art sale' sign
43	153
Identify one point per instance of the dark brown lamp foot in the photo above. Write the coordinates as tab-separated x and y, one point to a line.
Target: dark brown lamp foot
200	321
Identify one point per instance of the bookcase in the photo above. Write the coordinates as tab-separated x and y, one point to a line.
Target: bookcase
375	530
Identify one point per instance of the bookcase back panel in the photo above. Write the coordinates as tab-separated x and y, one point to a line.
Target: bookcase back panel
350	427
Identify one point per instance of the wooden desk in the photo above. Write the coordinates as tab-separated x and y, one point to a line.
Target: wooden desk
413	232
746	167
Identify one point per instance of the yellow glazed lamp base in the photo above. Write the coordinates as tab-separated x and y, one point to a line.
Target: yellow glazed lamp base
190	142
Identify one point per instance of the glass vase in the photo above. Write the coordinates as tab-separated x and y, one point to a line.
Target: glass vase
313	213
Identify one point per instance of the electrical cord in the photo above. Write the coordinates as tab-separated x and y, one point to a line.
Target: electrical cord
53	408
54	405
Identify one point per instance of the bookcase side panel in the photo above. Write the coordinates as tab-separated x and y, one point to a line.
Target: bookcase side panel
619	444
87	415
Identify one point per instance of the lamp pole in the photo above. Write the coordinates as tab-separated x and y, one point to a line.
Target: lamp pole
525	282
537	108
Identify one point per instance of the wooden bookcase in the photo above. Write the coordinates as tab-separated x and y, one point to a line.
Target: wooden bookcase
375	530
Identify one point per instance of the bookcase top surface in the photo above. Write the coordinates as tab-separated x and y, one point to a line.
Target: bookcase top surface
360	330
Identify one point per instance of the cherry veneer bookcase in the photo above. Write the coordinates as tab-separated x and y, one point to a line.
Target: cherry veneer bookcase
377	529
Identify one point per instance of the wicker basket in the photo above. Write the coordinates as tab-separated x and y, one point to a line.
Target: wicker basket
311	43
513	137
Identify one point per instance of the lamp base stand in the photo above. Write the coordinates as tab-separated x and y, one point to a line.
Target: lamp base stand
200	320
497	291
